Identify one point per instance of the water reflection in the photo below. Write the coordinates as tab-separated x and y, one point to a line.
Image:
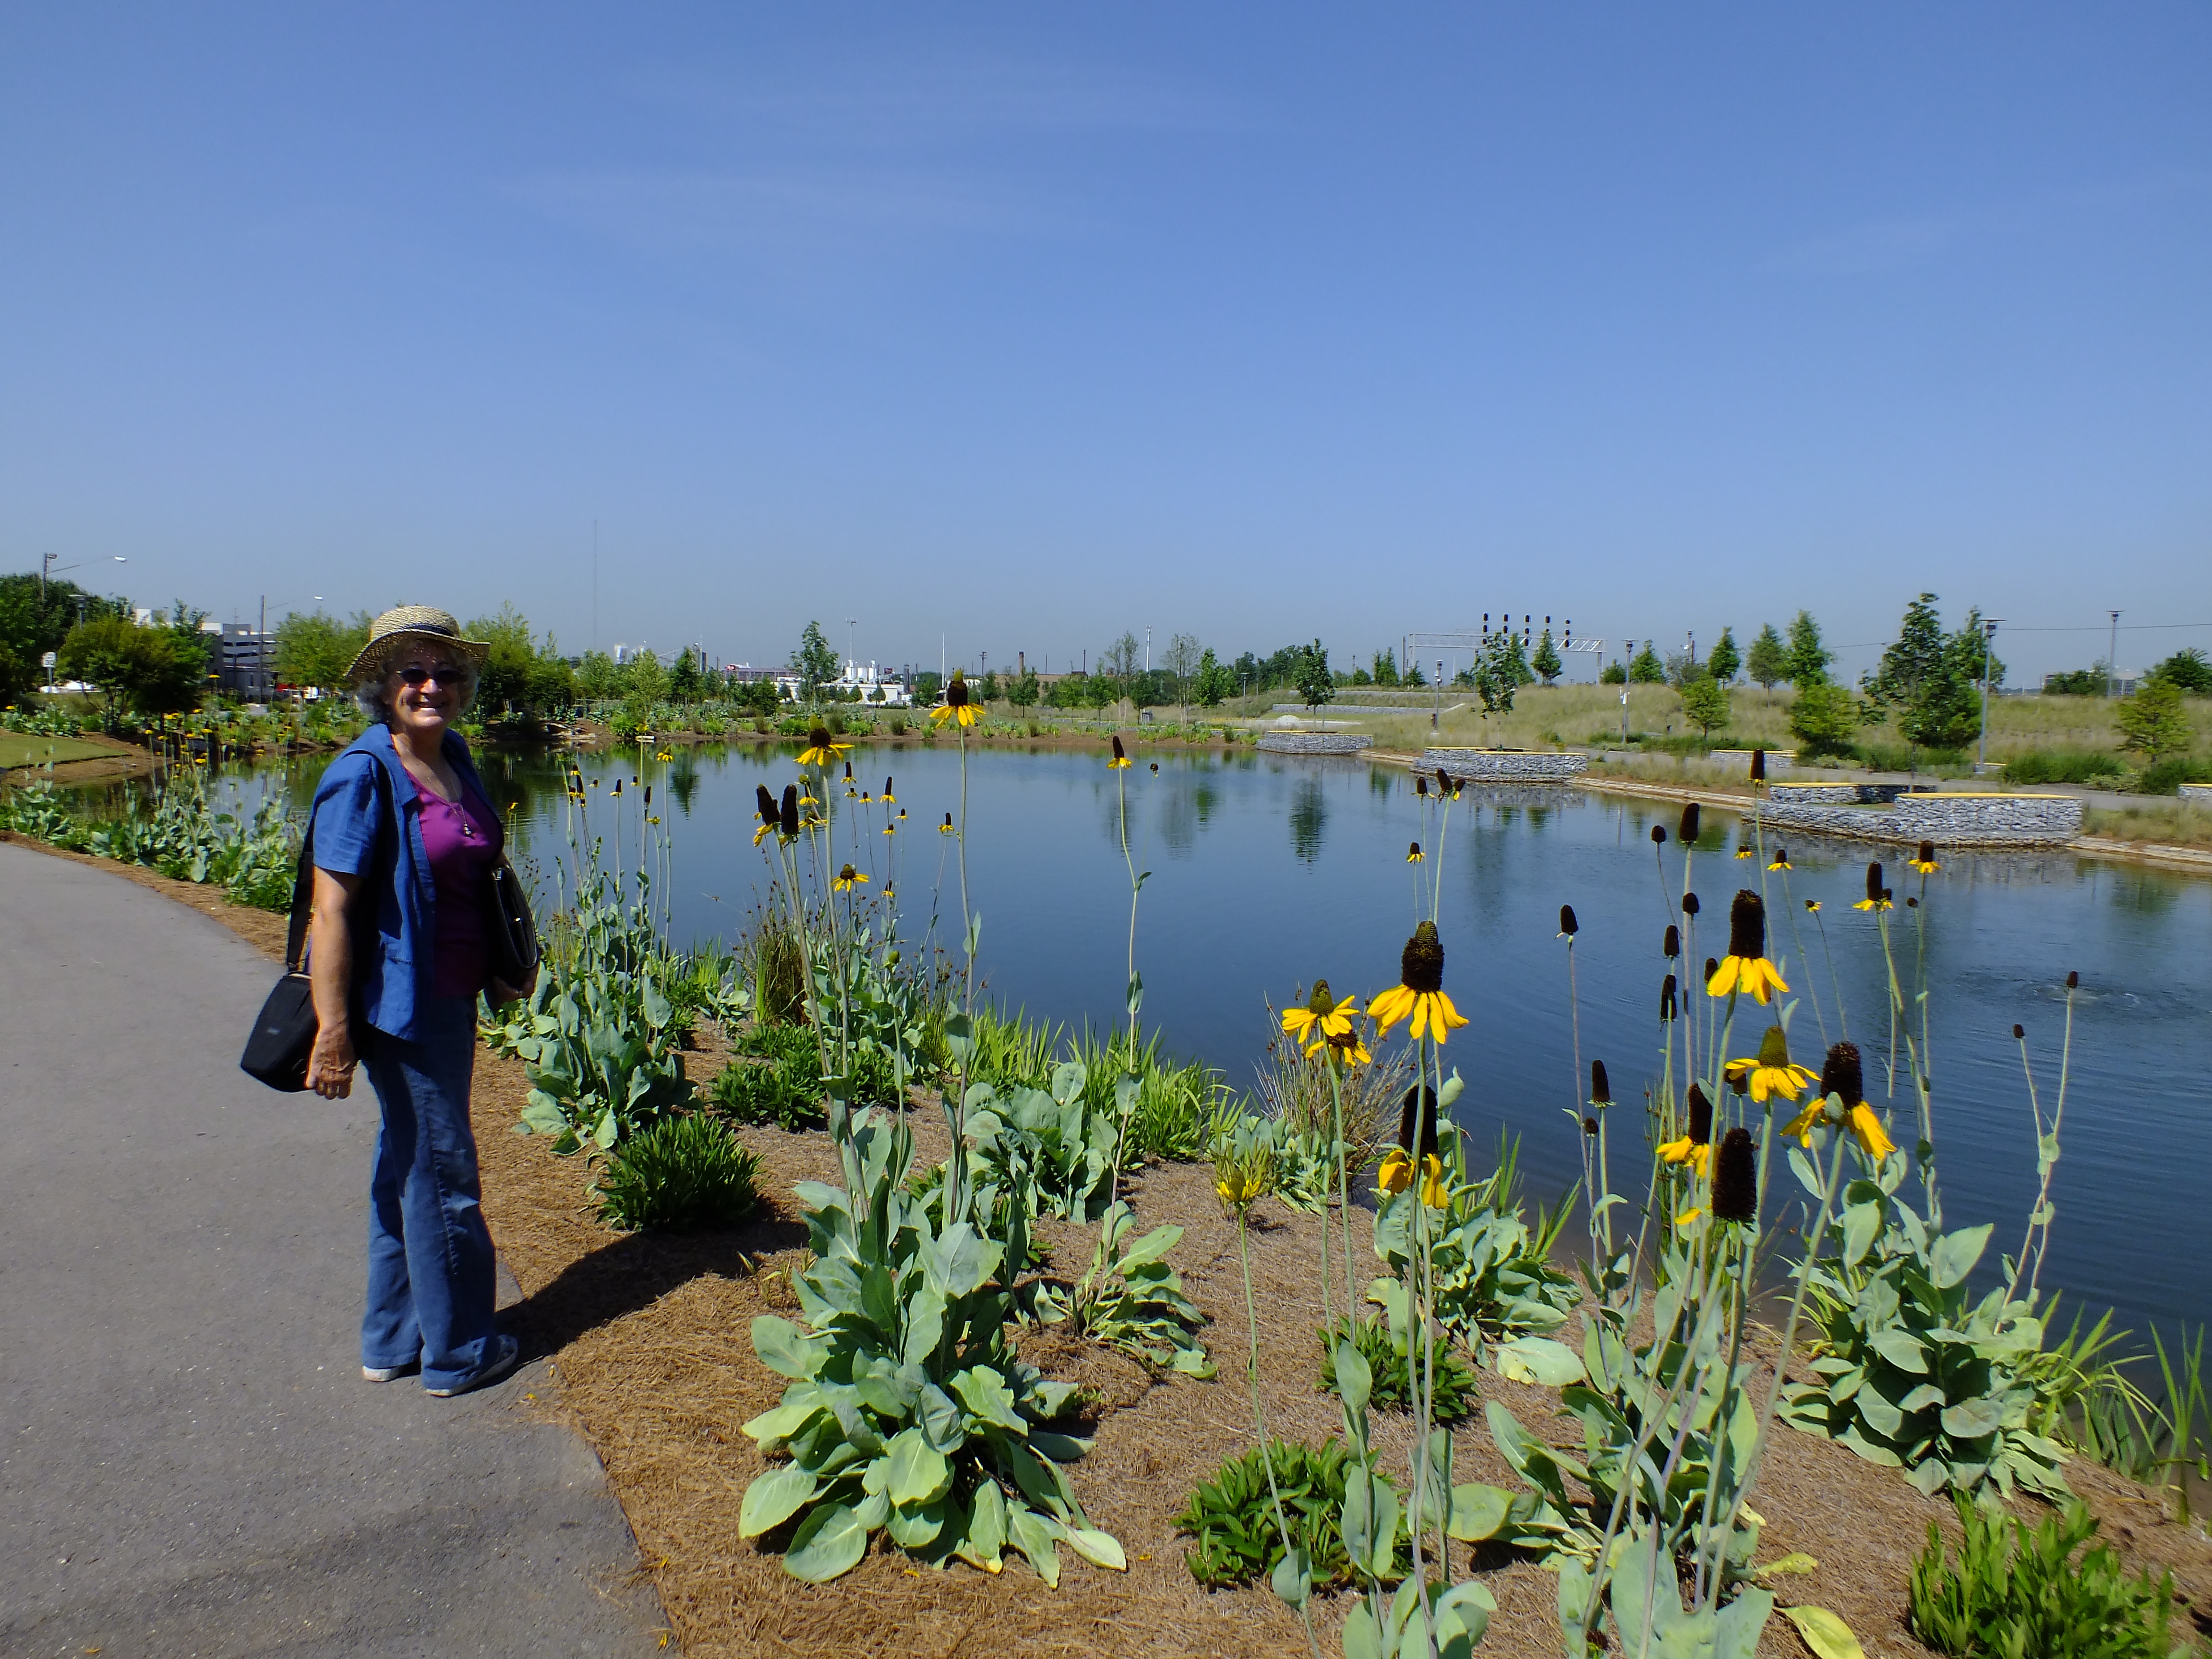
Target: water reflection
1308	815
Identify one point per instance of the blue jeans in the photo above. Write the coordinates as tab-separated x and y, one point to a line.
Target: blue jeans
431	1286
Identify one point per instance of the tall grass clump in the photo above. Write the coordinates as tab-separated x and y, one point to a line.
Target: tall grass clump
679	1175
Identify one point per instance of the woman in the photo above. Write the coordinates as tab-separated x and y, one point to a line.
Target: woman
404	840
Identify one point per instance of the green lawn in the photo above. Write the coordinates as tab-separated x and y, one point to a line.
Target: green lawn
17	750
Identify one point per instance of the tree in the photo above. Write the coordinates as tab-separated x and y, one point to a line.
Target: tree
1915	656
35	618
1180	660
1119	665
1547	661
684	680
2187	670
1682	667
317	649
1769	660
597	677
1724	661
1613	673
1386	666
1216	680
2091	682
644	677
987	688
1315	683
1705	701
2153	722
1806	660
816	662
17	674
1022	693
1647	669
1930	680
1412	675
1824	718
144	669
1500	670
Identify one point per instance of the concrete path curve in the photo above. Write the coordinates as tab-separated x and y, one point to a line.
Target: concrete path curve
190	1463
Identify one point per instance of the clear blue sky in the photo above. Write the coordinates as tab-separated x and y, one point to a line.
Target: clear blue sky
1028	323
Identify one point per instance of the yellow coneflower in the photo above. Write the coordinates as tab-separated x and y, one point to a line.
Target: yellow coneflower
1877	895
1743	850
1842	1080
957	705
821	749
1600	1092
1781	859
1419	991
1121	761
887	797
890	829
946	828
902	817
1397	1173
1349	1050
1322	1019
1156	769
1413	853
1447	785
1671	941
847	879
1695	1148
1568	926
666	755
1242	1178
1925	863
1812	907
786	817
1421	785
1769	1071
1746	966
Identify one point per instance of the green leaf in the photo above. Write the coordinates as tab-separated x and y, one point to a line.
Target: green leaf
1292	1578
1970	1419
1098	1548
919	1473
775	1498
1355	1380
1796	1562
987	1396
918	1527
829	1542
1902	1349
1829	1637
986	1542
1477	1512
1955	1254
1861	1226
1033	1535
785	1349
1538	1359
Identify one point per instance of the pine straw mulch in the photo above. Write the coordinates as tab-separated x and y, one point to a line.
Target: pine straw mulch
650	1338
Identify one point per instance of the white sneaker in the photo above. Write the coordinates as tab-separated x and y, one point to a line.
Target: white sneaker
506	1354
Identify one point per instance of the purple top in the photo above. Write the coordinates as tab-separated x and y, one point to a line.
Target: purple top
462	841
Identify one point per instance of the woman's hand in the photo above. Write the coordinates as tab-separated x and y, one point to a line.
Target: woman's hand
330	1066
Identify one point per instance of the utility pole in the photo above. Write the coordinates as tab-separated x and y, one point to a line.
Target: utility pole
261	654
595	583
1148	648
2113	658
850	624
1988	639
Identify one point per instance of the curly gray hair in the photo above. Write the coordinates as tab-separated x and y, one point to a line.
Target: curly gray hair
376	703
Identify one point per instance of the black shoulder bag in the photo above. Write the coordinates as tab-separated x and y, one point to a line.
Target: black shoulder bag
510	931
284	1036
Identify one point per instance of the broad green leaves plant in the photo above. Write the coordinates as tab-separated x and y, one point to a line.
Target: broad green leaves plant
1916	1373
907	1411
1385	1342
1133	1300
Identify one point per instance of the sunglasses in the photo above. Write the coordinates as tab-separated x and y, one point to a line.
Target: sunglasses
446	675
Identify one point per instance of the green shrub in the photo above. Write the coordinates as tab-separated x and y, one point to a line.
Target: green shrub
776	1078
1390	1359
2020	1598
2061	766
680	1174
1232	1515
2168	775
1898	757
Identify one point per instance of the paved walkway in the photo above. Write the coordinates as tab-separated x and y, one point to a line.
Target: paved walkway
190	1463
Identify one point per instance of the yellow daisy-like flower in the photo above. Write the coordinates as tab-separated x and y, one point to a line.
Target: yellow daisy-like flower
762	833
1842	1079
847	879
1746	967
821	749
1877	895
1322	1019
1419	991
1121	761
1242	1178
1695	1147
1413	853
887	797
1781	859
957	705
890	829
946	828
1769	1072
1812	907
1744	851
1349	1050
666	754
1925	863
1397	1173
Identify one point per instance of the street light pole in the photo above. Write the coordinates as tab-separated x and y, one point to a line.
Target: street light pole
2113	658
1988	639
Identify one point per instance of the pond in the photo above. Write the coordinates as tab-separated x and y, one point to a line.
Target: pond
1267	872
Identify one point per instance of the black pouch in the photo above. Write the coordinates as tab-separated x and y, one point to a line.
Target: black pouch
284	1035
510	931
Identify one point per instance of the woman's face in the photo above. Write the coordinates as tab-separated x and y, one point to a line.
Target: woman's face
423	686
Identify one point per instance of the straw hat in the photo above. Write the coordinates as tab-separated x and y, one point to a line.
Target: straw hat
407	625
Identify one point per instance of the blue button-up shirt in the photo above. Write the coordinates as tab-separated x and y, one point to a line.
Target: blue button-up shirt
352	816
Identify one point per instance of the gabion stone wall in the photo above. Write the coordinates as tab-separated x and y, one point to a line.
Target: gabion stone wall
2199	793
1315	743
1953	818
1513	765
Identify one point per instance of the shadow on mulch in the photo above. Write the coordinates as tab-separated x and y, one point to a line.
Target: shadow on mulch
636	1271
